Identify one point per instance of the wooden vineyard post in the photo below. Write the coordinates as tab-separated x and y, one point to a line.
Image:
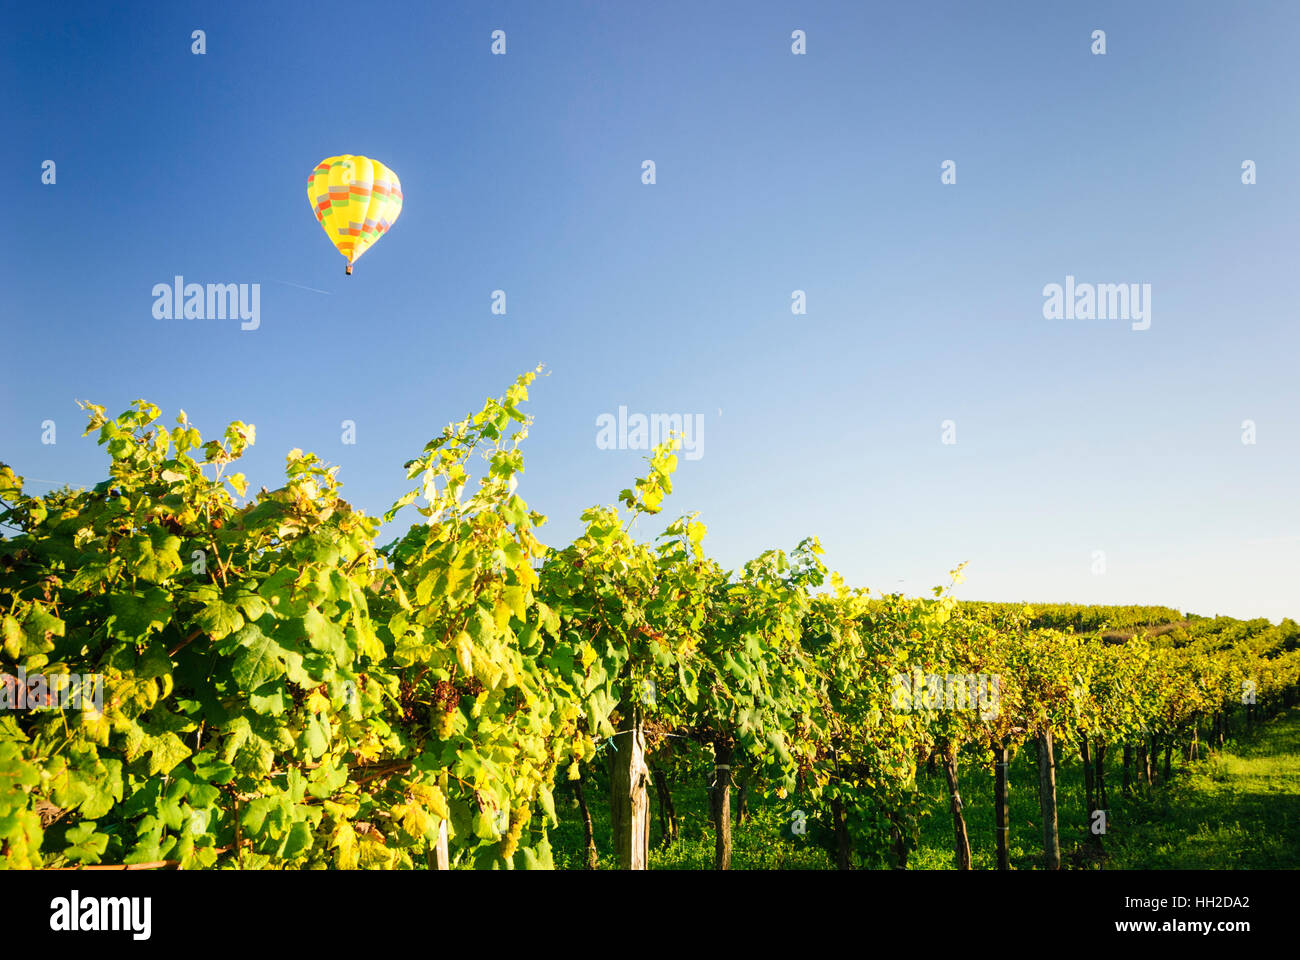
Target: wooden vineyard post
961	843
843	849
1103	797
440	855
629	802
1091	793
1047	791
721	800
584	814
1002	803
742	798
667	815
899	840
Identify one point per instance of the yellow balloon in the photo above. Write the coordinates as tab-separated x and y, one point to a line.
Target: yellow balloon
355	200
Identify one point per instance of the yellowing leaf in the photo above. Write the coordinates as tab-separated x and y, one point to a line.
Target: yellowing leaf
464	652
345	841
416	821
13	638
515	597
317	702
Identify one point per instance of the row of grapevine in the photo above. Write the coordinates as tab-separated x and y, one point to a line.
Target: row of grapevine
281	691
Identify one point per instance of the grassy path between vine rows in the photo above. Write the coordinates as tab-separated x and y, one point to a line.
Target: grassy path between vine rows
1238	808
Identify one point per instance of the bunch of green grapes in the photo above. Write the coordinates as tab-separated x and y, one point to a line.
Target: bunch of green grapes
518	817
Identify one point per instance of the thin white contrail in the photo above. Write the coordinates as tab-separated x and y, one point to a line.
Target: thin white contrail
301	287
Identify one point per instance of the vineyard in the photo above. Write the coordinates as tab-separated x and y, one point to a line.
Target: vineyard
281	691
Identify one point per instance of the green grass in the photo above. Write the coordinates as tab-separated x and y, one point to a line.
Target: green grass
1238	808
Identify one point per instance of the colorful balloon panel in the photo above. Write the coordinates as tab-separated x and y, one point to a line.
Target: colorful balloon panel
355	200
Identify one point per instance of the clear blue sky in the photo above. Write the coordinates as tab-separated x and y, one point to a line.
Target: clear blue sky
775	173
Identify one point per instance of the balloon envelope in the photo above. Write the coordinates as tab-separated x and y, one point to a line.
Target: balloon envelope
355	200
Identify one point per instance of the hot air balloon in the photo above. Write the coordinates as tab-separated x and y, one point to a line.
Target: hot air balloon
356	200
